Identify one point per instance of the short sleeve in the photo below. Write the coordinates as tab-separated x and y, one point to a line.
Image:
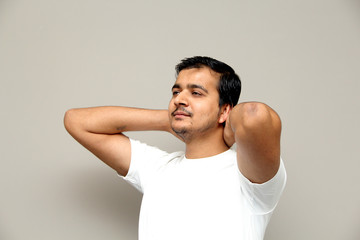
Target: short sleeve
145	161
264	197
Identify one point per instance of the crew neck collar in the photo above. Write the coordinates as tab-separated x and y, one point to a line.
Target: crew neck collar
208	158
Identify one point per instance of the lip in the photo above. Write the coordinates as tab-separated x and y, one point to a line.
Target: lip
181	113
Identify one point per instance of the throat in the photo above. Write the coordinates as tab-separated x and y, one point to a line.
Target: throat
201	148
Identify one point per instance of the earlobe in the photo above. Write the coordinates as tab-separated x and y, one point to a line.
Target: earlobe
224	114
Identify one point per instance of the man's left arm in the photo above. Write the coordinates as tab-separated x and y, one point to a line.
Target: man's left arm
256	129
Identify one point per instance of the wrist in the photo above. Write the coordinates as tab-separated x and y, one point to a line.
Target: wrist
164	123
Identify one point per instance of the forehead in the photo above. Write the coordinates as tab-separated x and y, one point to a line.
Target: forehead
204	76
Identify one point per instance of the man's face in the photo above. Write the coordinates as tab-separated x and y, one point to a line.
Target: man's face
194	106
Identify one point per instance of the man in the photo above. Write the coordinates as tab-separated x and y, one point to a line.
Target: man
210	191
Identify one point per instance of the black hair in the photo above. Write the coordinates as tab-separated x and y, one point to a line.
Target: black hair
229	83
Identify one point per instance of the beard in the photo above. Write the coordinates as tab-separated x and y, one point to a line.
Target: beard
188	133
182	133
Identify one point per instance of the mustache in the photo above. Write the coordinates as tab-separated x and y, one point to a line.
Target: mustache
182	109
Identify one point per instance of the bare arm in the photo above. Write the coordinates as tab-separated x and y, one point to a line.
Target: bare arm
99	129
256	129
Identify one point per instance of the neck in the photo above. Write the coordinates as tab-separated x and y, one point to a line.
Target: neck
206	146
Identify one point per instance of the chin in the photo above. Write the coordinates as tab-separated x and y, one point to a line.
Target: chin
179	128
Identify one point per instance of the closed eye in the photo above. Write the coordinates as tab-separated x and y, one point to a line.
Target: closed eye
174	93
196	93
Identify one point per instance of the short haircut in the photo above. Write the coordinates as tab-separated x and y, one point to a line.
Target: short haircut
229	83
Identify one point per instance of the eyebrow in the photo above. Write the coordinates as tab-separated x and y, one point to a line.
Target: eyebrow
191	86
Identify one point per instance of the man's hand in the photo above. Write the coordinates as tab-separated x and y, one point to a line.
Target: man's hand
229	136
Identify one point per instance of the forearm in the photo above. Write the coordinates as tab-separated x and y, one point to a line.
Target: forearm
112	120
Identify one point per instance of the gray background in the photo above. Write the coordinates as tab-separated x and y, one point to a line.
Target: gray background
300	57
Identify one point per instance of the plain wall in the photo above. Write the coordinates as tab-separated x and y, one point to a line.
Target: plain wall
300	57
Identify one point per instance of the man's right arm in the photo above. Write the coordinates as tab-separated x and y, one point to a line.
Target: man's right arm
99	129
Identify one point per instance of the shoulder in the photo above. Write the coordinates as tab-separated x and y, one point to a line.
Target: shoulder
145	152
146	162
264	197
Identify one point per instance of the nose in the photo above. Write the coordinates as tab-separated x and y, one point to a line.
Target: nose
181	99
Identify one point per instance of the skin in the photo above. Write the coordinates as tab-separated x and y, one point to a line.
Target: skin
256	129
193	116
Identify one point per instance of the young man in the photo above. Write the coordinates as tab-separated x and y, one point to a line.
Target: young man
210	191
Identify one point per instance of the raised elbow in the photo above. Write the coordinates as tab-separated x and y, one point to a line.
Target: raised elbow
255	114
70	119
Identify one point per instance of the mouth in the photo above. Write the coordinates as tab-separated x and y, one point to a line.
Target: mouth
181	113
181	116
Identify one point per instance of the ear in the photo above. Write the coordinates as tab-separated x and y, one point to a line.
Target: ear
224	113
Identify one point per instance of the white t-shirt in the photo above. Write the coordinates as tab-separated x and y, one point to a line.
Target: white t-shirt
199	199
